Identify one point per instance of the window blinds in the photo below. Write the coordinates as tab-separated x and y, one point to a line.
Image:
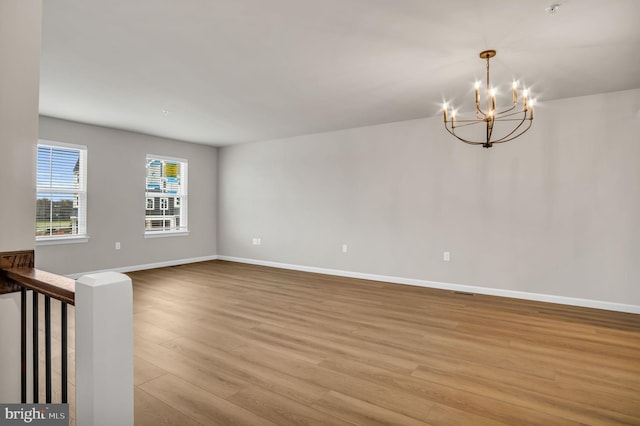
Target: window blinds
61	191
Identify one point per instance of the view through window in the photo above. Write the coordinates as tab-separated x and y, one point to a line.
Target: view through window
61	198
166	195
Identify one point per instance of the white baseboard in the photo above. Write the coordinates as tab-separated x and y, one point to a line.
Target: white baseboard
563	300
133	268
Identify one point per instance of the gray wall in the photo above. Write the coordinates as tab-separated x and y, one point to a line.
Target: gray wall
20	29
115	201
19	81
555	212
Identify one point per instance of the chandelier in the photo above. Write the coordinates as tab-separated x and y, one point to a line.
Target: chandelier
519	118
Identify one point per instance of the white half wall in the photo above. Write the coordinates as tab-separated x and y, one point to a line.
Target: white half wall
554	212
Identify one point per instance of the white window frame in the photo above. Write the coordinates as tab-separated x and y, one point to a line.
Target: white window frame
79	202
152	203
181	197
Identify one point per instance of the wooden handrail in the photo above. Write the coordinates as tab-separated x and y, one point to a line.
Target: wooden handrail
17	270
10	260
52	285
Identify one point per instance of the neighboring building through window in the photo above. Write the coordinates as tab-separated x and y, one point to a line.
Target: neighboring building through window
166	196
61	198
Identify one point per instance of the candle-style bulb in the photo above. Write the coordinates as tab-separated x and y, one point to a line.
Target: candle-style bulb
444	109
525	99
493	99
515	92
531	105
477	88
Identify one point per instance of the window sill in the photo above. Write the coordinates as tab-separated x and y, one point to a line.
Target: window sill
49	241
160	234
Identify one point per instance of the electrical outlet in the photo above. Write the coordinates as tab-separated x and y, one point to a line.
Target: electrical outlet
256	241
446	256
118	245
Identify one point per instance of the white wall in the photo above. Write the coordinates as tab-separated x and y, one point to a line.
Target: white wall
115	201
554	212
20	28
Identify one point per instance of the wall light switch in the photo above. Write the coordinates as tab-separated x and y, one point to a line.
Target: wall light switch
446	256
345	248
118	245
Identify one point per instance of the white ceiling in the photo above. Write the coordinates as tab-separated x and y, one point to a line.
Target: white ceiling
231	71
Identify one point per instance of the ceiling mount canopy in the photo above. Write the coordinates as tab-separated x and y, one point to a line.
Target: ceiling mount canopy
510	122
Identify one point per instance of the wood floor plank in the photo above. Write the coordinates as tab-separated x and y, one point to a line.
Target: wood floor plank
226	343
477	408
381	395
218	382
361	412
150	411
143	371
282	410
520	396
199	404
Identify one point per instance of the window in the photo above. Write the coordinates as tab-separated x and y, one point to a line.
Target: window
166	196
61	198
164	204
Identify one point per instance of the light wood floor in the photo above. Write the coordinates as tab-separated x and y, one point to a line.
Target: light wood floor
221	343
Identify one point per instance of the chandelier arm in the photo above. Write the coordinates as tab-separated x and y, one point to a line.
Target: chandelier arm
468	122
502	140
504	117
459	138
466	141
515	131
505	111
490	124
511	119
478	121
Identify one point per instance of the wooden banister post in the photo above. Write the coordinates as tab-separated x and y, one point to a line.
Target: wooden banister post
104	350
